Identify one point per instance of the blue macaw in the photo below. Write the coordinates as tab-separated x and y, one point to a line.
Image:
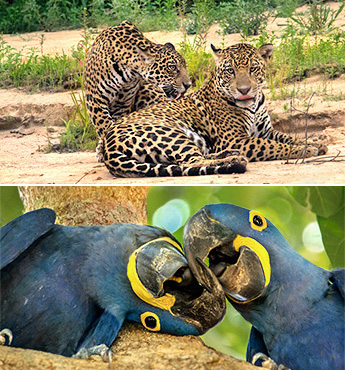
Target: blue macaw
296	308
67	290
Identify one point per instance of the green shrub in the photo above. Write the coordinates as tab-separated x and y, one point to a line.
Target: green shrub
284	8
201	18
199	62
246	18
299	56
80	134
33	71
319	18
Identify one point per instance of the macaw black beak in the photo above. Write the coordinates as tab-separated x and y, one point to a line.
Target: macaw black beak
204	308
160	275
238	262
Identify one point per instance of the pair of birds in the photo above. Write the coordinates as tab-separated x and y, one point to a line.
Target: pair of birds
67	290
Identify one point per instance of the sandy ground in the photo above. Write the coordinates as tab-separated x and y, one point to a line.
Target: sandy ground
24	161
39	120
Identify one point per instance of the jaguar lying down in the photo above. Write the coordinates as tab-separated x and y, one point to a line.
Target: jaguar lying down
214	130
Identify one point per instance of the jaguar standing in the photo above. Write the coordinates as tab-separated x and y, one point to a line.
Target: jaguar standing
125	71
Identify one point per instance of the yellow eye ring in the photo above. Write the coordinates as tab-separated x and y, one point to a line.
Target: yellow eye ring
150	321
257	221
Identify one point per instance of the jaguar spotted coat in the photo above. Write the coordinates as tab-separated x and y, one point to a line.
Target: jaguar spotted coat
124	71
197	135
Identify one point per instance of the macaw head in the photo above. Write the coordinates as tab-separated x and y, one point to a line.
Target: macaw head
242	246
168	298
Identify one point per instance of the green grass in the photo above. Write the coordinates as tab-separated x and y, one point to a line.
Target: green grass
20	16
31	70
199	62
299	56
80	134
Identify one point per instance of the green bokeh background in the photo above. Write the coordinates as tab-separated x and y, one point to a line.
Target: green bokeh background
298	212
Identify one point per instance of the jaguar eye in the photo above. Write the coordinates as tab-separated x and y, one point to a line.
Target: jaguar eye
251	69
150	321
172	67
231	71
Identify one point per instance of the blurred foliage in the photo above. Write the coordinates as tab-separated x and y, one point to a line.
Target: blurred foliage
10	204
327	202
295	211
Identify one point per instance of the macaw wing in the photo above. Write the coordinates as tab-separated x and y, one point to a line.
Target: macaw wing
255	345
20	233
338	279
104	331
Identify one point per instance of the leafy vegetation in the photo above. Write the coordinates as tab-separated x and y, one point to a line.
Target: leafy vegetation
240	17
199	62
35	71
319	18
327	202
80	134
300	56
32	15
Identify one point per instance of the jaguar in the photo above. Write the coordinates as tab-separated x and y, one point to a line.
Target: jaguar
125	71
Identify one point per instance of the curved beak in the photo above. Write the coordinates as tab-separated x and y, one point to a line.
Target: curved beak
241	264
160	275
157	263
202	307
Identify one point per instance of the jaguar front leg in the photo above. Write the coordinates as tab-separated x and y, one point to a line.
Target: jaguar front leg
315	141
256	149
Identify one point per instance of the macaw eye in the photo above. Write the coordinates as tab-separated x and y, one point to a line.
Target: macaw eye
257	221
150	321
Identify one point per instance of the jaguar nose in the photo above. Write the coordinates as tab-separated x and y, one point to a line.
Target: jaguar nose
244	89
187	85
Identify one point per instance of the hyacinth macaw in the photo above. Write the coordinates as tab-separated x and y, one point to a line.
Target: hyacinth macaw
68	290
296	308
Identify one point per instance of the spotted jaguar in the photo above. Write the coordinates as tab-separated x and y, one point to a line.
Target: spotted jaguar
125	71
213	130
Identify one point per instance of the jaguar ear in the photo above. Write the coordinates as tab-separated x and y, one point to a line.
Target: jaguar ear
169	46
217	53
266	51
145	55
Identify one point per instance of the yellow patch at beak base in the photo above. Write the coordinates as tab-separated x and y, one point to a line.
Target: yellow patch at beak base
259	250
166	301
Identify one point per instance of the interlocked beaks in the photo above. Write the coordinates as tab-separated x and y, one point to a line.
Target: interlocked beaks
159	275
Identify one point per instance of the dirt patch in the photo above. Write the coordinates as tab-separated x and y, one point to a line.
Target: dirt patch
23	161
17	106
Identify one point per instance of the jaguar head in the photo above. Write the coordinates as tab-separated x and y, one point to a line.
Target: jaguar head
166	68
240	72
